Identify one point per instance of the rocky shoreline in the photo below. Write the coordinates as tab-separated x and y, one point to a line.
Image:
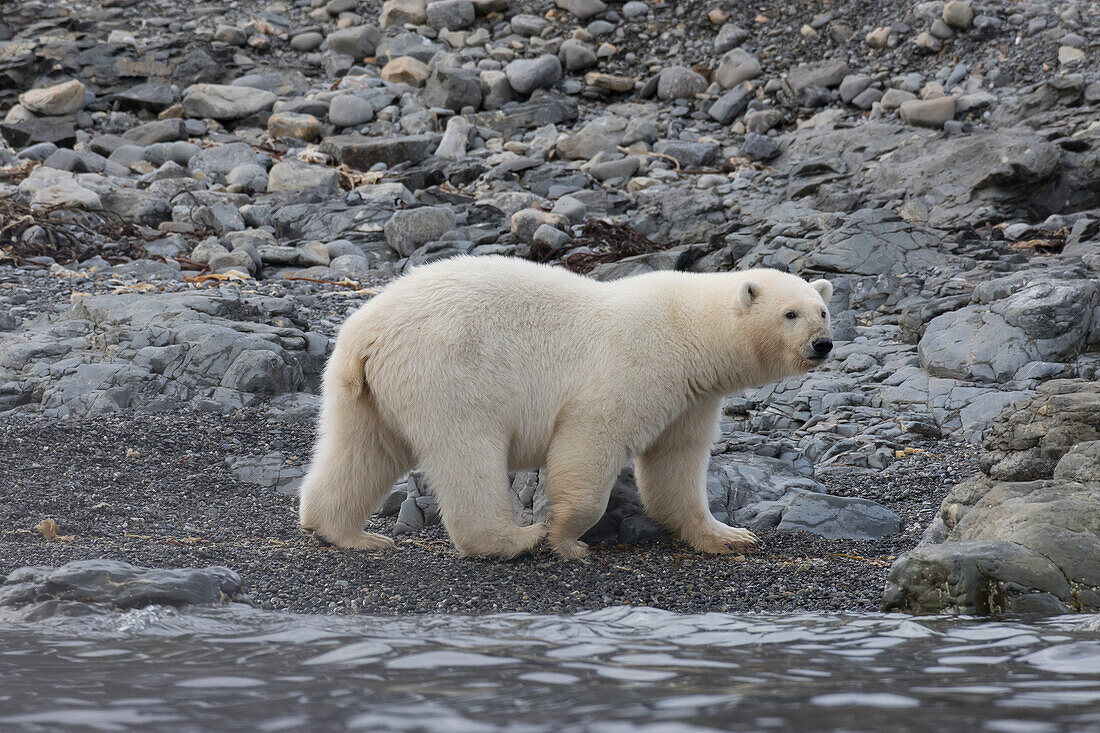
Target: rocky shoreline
191	203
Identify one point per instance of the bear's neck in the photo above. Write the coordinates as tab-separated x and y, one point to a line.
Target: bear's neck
725	358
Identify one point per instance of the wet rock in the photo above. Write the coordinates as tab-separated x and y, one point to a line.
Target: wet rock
120	585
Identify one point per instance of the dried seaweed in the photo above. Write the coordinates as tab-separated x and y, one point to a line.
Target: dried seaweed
66	235
599	242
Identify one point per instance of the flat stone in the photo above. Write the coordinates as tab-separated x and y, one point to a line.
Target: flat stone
363	152
120	585
820	74
60	99
222	102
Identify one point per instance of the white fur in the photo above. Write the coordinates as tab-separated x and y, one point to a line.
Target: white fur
472	367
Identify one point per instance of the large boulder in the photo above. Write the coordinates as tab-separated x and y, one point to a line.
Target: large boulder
1046	320
1022	536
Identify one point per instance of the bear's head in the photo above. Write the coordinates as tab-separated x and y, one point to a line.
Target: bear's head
788	320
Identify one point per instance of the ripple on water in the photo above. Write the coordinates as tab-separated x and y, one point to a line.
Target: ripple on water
614	669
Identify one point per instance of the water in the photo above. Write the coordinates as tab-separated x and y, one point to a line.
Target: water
612	670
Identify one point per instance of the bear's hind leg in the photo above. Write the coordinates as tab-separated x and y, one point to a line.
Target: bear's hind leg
580	474
470	482
356	461
672	481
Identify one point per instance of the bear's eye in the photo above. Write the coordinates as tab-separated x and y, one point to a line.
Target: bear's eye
791	315
824	314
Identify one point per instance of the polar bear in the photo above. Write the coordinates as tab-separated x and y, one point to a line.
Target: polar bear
475	366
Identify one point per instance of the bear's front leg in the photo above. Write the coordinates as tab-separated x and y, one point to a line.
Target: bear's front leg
672	481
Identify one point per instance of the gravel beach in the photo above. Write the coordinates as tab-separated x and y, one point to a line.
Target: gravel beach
154	490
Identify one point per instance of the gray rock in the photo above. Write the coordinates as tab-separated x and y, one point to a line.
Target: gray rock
450	14
157	131
583	9
452	87
731	105
680	82
119	585
601	135
1046	320
408	229
819	74
690	155
358	41
759	147
527	75
248	177
215	163
363	152
270	470
221	102
349	110
735	67
982	578
576	55
294	175
832	517
928	112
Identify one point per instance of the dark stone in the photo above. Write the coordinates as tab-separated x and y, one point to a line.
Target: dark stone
120	585
60	131
544	108
363	152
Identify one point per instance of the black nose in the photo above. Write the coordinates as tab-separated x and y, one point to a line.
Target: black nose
823	346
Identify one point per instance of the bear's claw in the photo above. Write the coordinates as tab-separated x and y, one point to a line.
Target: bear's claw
722	539
572	550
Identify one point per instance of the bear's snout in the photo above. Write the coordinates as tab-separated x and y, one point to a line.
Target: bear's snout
821	347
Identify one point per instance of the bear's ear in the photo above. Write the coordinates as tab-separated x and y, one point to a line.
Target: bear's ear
824	288
747	293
